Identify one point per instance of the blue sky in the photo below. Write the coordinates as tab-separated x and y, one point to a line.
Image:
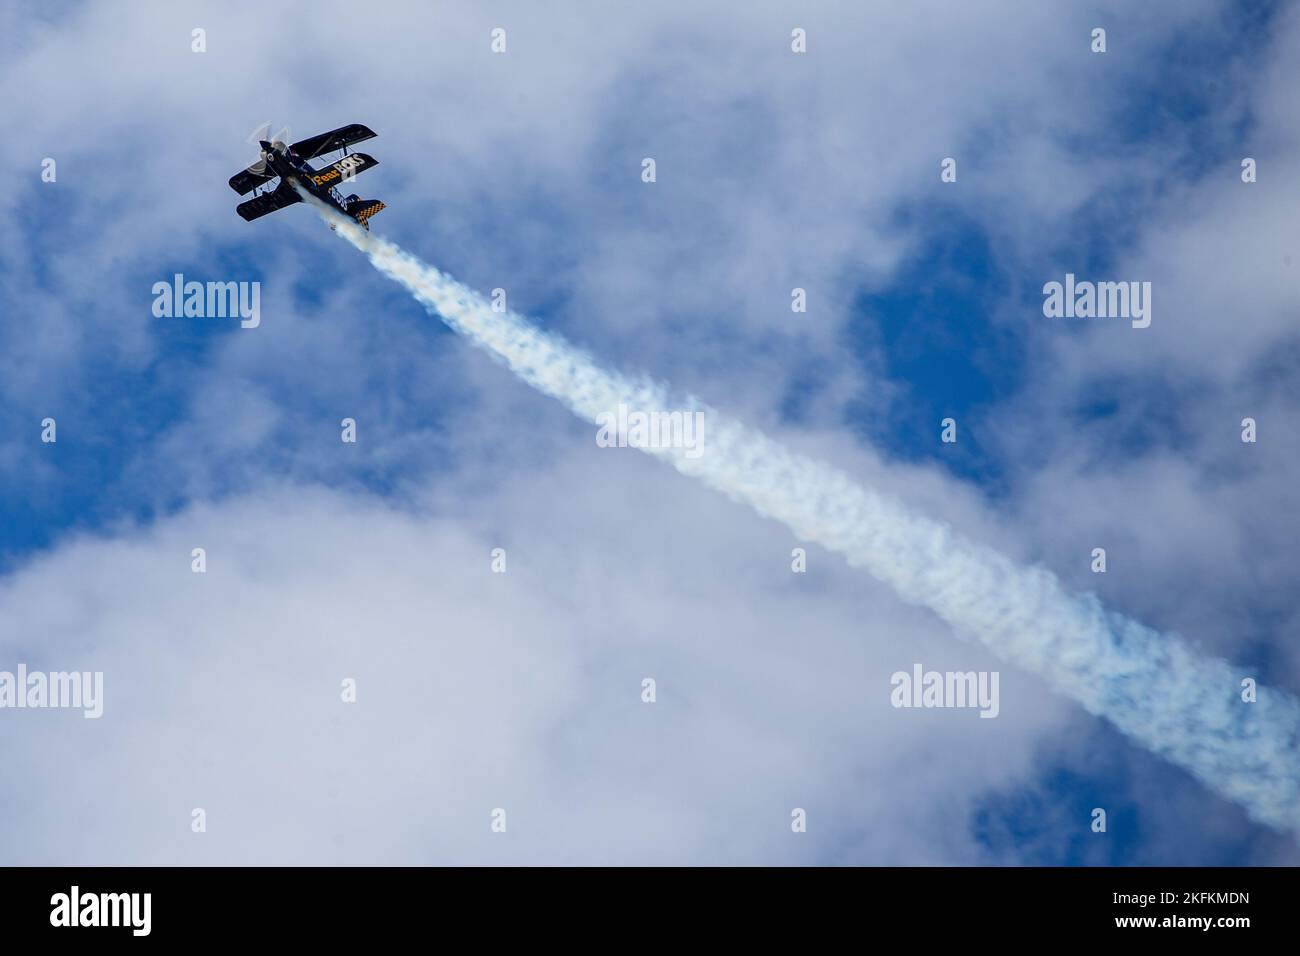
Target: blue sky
522	171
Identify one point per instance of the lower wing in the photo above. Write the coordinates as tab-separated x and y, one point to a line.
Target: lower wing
260	206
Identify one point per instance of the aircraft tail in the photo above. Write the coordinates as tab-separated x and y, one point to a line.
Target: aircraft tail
362	209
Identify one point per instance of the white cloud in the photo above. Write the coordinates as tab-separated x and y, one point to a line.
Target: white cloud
479	690
773	173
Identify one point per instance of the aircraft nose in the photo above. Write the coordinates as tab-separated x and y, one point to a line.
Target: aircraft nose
265	145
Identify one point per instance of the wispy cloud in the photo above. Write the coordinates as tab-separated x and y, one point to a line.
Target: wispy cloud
1154	687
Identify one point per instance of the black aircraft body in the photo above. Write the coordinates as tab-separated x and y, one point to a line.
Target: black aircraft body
290	164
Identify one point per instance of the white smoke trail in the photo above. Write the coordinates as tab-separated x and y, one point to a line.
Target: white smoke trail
1154	687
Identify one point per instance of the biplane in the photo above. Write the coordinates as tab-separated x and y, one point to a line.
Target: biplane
291	164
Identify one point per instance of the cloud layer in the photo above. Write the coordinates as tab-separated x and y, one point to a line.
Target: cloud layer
522	171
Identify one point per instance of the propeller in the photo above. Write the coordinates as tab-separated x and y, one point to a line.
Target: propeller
258	168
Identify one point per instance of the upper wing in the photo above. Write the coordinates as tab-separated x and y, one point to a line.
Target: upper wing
244	181
259	206
334	139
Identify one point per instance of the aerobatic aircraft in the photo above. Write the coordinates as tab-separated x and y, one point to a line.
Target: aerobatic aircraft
290	164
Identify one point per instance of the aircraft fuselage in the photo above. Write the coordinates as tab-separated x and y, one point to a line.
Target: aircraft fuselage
292	168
